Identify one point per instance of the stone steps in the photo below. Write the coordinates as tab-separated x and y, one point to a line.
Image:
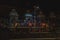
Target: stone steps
35	39
33	35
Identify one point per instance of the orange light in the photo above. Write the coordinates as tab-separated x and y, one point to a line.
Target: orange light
29	24
43	24
16	24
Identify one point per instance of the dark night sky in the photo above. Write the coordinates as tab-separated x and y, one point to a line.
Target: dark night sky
44	4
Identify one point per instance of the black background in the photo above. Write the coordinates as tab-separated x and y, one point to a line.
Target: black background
6	5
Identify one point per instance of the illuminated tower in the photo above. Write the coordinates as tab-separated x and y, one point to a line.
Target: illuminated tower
13	16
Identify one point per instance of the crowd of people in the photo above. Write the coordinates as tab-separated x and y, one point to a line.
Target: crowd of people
35	20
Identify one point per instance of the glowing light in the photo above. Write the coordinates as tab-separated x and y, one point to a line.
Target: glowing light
43	24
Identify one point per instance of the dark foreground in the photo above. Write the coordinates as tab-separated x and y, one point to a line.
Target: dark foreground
36	39
8	35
